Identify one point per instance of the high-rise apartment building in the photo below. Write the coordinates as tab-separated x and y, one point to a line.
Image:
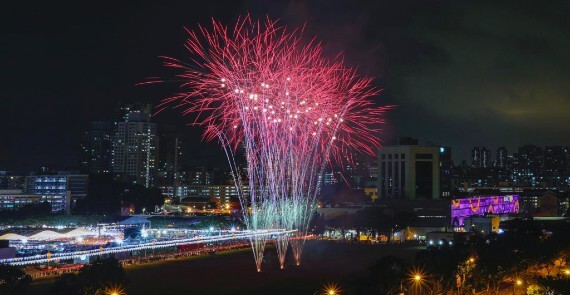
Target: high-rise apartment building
502	157
446	171
169	156
480	157
97	148
135	146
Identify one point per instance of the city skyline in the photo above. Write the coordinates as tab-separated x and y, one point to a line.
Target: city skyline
447	93
115	116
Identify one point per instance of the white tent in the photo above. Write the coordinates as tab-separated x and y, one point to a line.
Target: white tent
46	235
12	237
79	232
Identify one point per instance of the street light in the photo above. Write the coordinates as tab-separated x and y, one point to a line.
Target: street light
115	291
516	283
417	278
329	289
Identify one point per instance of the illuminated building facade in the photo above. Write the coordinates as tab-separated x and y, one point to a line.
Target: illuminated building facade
15	200
481	206
62	190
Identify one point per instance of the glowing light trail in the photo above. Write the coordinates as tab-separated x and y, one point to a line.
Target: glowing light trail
36	259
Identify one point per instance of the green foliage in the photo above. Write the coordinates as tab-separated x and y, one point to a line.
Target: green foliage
41	210
558	285
13	280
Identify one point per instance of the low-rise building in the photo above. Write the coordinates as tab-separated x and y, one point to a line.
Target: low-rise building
14	199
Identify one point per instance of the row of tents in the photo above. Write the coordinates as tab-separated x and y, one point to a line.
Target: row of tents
50	235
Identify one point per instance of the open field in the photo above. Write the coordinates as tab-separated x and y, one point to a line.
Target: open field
234	272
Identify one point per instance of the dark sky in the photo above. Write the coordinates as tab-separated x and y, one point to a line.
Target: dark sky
463	73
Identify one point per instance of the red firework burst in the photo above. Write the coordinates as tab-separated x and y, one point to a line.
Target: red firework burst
259	81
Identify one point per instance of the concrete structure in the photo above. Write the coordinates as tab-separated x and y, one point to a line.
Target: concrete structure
409	172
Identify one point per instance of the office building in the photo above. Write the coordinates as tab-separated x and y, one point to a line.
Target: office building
409	172
15	199
63	188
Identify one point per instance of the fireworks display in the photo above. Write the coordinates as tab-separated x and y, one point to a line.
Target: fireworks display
259	88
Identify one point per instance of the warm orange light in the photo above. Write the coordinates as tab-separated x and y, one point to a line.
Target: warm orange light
567	272
471	260
330	289
417	276
115	291
519	282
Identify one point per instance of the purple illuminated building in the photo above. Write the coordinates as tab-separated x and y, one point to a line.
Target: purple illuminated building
482	205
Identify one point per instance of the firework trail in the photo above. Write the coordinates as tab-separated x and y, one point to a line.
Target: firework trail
258	87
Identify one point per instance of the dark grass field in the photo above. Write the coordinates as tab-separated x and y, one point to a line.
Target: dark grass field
235	273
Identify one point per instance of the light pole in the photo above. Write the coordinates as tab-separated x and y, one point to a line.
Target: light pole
516	283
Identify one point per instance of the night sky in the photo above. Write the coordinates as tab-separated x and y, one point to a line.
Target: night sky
463	73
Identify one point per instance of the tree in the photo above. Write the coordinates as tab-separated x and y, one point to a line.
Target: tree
67	284
13	280
104	196
443	265
93	279
143	197
558	285
387	275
